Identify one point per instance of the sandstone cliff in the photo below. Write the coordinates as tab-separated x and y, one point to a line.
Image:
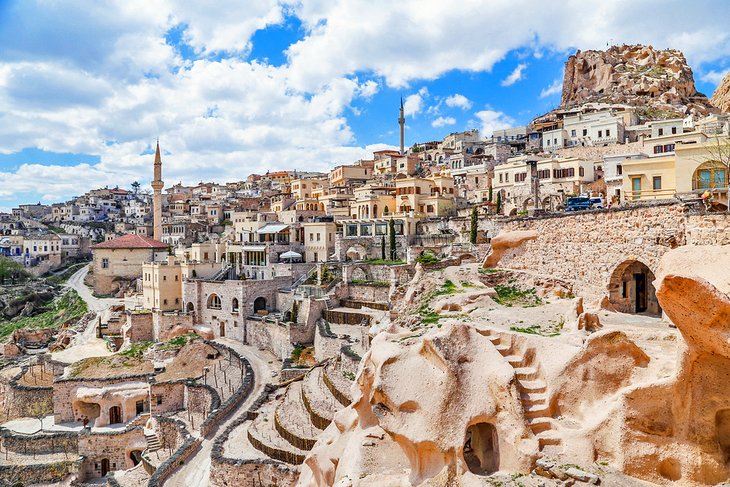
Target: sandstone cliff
721	97
635	75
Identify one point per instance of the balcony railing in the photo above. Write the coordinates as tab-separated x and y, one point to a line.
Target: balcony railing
650	194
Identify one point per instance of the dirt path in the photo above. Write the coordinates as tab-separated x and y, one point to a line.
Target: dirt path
86	344
196	471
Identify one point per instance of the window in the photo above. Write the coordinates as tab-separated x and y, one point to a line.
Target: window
214	302
500	177
585	132
520	177
164	278
318	236
660	131
176	278
555	141
164	301
581	172
600	134
669	148
674	130
104	263
619	169
657	181
548	142
234	305
572	133
658	149
608	133
636	188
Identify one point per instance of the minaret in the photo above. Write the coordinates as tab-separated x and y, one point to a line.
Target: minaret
402	123
157	186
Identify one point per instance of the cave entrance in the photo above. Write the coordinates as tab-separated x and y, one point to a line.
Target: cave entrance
631	290
722	431
135	456
481	449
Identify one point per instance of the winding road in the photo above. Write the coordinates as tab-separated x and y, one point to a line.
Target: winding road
196	470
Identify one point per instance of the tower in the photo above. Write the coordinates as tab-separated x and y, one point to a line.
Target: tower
402	123
157	186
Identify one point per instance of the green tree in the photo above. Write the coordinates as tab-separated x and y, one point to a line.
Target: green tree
40	409
490	193
473	227
499	203
135	187
391	233
382	247
11	271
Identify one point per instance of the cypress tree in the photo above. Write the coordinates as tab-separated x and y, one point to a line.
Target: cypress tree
473	229
391	232
499	203
490	193
382	247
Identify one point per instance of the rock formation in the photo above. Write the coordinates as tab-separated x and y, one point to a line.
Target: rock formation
634	75
504	242
449	404
721	97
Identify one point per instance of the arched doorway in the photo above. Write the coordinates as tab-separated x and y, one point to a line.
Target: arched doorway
135	456
191	307
481	449
115	415
222	329
631	289
104	466
259	304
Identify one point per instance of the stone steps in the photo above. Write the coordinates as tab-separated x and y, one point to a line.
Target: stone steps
538	425
532	386
516	361
526	373
153	442
537	411
533	398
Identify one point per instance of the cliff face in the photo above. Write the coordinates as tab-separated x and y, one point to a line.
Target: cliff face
721	97
634	75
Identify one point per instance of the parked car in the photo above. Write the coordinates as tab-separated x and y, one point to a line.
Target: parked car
578	203
598	202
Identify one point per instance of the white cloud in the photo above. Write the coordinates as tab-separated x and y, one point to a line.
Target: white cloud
351	36
714	77
443	121
555	88
515	75
368	88
414	103
491	120
460	101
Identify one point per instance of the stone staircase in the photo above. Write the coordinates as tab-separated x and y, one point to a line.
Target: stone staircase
153	442
533	391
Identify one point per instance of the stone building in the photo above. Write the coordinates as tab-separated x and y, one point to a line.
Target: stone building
122	259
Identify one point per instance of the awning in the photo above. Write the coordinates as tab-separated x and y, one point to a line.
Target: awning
290	255
272	228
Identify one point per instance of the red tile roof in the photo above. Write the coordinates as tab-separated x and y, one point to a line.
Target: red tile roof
132	241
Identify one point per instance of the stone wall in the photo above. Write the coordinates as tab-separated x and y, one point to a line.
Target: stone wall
165	322
371	247
586	248
273	337
36	474
326	343
138	327
42	443
711	229
368	292
172	395
114	446
19	398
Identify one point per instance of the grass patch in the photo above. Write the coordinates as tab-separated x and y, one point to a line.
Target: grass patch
64	309
511	296
551	330
348	375
135	350
428	257
489	270
467	284
385	262
448	287
179	341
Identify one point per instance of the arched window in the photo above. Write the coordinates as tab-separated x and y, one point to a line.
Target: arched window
234	305
214	302
710	175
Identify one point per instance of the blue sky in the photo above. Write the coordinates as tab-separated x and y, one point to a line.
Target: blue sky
232	88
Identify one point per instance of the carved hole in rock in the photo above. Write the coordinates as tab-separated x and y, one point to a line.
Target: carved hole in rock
722	430
88	409
631	288
481	449
670	469
135	456
408	407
